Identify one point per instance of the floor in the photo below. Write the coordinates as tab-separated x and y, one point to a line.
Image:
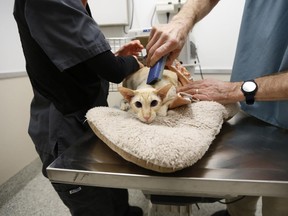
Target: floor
29	193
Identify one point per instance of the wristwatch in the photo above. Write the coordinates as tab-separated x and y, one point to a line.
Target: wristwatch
249	89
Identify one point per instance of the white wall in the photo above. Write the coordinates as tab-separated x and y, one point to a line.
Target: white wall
16	147
11	56
215	36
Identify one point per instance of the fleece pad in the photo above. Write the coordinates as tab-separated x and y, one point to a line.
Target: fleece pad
169	143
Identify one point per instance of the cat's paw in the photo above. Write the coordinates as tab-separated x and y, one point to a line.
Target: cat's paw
124	105
162	111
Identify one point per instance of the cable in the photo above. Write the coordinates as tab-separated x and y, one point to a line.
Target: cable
132	17
233	201
200	69
168	16
225	203
179	5
168	13
152	17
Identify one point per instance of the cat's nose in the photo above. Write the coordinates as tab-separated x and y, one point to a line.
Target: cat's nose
147	118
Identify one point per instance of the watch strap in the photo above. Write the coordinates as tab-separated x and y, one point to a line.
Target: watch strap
250	99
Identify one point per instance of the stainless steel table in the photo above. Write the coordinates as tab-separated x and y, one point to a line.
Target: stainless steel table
248	157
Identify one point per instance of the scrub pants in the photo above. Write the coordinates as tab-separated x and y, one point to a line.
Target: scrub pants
271	206
93	201
87	200
90	201
53	133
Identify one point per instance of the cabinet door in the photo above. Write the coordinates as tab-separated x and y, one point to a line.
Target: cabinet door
109	12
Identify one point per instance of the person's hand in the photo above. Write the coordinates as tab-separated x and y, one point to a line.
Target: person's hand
165	39
170	38
214	90
133	47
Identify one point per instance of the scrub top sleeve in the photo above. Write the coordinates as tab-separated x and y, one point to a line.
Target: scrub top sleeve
109	67
65	31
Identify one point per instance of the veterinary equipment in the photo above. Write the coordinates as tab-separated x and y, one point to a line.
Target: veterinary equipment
156	71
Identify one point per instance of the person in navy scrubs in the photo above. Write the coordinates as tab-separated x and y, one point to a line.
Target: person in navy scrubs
70	64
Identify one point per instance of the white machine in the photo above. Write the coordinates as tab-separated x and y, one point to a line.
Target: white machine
188	56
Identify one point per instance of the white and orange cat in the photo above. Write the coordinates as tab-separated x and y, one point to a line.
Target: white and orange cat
148	101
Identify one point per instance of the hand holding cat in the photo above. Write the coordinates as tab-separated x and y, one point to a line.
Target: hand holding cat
213	90
133	47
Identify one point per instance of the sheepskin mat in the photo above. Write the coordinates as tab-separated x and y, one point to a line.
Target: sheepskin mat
169	143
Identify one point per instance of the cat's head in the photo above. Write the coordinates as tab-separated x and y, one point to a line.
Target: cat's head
146	102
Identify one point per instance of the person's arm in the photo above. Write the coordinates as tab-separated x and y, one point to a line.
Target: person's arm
270	88
170	38
113	67
105	65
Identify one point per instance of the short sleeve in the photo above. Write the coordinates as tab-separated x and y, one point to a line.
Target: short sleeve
65	31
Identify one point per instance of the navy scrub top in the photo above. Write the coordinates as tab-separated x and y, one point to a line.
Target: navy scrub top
68	59
65	31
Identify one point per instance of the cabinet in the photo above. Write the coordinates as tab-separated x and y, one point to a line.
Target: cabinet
109	12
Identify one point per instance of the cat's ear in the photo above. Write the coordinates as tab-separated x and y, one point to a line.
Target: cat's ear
126	93
162	92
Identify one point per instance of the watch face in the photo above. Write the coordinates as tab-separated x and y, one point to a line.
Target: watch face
249	86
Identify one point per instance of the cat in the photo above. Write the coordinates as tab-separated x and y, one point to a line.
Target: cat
148	101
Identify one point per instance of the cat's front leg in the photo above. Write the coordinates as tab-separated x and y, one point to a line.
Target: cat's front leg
124	105
163	110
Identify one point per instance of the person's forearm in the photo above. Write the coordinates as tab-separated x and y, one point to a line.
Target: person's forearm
272	87
192	12
105	65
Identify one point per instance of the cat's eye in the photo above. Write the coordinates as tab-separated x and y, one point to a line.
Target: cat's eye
138	104
154	103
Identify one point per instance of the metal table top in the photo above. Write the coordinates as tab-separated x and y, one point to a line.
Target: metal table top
248	157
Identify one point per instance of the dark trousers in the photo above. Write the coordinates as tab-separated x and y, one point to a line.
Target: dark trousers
52	134
87	200
93	201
